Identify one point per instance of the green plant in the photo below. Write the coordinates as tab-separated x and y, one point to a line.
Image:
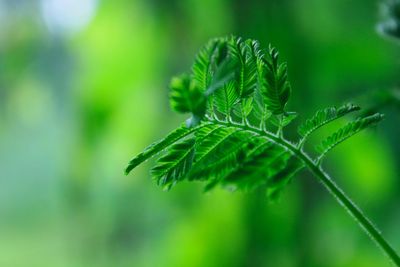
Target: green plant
237	95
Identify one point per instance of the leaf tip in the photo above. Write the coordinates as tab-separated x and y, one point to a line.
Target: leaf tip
128	169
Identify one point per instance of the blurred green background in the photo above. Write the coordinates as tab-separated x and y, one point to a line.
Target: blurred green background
83	87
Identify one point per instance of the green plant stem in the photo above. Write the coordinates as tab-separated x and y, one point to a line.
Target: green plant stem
334	189
355	212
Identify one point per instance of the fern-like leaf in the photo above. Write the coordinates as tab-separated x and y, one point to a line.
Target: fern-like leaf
324	116
246	72
226	97
204	63
258	166
175	164
234	92
159	146
225	159
185	97
277	88
211	142
348	131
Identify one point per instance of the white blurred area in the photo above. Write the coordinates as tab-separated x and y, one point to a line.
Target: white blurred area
67	16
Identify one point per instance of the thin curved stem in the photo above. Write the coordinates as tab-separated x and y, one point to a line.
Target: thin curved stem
331	186
355	212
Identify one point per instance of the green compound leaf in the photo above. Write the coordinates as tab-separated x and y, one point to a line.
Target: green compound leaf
174	165
226	97
205	62
217	157
159	146
348	131
246	72
185	97
324	116
276	90
235	92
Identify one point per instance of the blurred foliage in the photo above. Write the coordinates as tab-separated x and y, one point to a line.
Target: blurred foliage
74	75
390	24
